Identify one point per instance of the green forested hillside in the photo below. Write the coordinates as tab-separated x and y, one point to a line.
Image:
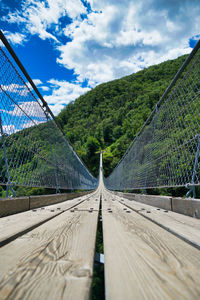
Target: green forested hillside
109	116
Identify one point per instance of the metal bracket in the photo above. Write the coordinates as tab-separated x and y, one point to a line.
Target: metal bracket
157	107
144	191
99	258
9	187
191	190
57	189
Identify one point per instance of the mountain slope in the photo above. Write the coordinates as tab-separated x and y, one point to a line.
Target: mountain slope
109	116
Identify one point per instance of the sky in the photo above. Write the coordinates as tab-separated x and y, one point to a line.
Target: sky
70	46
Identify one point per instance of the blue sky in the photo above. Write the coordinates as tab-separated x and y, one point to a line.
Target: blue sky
70	46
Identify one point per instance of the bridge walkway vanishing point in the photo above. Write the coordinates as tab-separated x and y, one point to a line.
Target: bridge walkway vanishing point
149	253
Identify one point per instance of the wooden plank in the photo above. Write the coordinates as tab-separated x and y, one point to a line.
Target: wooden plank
14	205
183	226
9	206
54	261
144	261
39	201
164	202
14	225
190	207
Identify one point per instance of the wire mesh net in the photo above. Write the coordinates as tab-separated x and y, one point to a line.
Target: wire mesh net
33	150
166	152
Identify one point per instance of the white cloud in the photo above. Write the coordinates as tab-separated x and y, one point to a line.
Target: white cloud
74	8
56	108
116	39
16	88
22	90
40	85
15	38
38	16
44	88
9	129
37	81
31	123
29	108
63	93
196	37
121	37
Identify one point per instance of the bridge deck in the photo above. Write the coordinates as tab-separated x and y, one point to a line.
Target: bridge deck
55	260
149	253
143	260
16	225
182	226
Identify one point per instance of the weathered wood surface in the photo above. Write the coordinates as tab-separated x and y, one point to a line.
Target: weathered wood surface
187	206
14	205
164	202
14	225
143	260
20	204
53	261
37	201
185	227
148	252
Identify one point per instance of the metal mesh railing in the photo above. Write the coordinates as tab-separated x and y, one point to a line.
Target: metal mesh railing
33	150
165	153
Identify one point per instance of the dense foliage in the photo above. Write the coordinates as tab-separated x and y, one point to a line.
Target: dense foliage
106	118
109	116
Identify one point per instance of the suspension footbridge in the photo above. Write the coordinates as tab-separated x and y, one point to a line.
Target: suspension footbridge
47	243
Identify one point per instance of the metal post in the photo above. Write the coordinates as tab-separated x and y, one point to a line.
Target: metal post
9	184
191	185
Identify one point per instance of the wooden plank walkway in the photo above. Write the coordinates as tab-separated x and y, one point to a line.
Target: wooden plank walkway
184	227
55	260
15	225
150	253
143	260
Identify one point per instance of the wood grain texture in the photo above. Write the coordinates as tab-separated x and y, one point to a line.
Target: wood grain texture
189	206
144	261
163	202
14	225
14	205
21	204
39	201
53	261
185	227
